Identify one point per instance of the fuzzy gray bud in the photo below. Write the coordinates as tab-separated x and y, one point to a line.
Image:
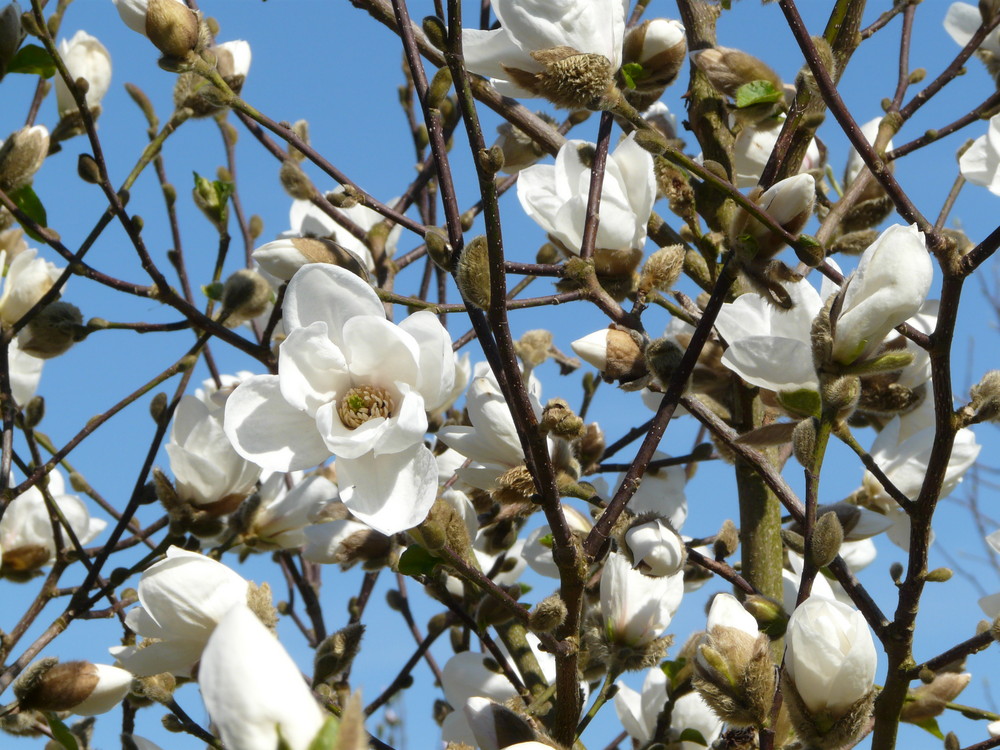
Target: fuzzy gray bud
473	275
826	539
51	332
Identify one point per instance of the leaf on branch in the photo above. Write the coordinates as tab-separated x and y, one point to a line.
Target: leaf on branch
930	725
28	201
693	735
61	733
33	60
633	72
757	92
777	433
417	561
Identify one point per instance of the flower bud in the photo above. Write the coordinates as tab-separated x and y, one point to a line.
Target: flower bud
245	295
11	35
612	351
770	616
172	27
519	149
51	332
568	79
789	202
282	258
78	686
728	69
212	197
662	269
473	274
652	56
85	57
560	420
548	614
21	156
336	653
496	726
663	356
826	539
656	548
727	541
804	441
985	403
929	700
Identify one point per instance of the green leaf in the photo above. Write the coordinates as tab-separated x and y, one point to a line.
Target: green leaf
802	402
26	200
213	291
525	588
633	72
931	725
672	668
757	92
416	561
693	735
33	60
61	733
546	541
326	738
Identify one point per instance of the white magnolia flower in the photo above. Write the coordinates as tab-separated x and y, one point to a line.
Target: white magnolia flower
854	161
537	550
595	27
656	548
555	196
85	57
133	13
208	472
465	675
964	20
790	580
829	655
980	164
890	285
181	600
786	201
637	608
234	58
253	690
770	347
285	517
27	279
26	538
752	150
639	710
352	384
309	221
661	491
79	687
25	373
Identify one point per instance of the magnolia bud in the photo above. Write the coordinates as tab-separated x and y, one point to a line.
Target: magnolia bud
985	395
662	269
78	686
172	27
727	541
519	149
336	653
22	155
11	35
656	548
612	351
663	356
245	295
51	332
473	274
548	614
282	258
929	700
789	202
295	181
728	69
826	539
496	726
652	56
560	420
804	441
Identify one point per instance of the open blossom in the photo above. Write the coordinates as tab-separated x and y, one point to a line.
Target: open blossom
352	384
208	472
980	164
637	608
181	600
555	196
284	516
586	27
253	690
963	20
85	57
27	279
829	655
26	539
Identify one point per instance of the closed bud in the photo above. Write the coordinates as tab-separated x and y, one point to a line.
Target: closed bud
824	53
548	614
804	441
255	226
438	248
827	536
651	140
655	547
727	541
156	689
728	69
86	167
212	197
988	10
770	616
295	181
282	258
560	420
245	295
519	149
534	346
494	612
172	27
158	406
896	572
21	156
951	741
663	356
78	686
930	700
938	575
652	56
473	275
11	35
437	33
614	352
662	269
490	159
853	243
841	394
985	402
34	412
336	653
439	87
591	446
788	202
568	79
52	332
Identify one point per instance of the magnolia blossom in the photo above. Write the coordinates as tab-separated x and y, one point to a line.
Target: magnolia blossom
980	164
26	538
85	57
253	690
637	608
284	518
829	655
595	27
656	548
464	676
661	492
234	58
307	220
638	712
752	150
349	383
208	472
79	687
963	20
555	196
854	161
27	279
133	13
890	285
538	546
181	600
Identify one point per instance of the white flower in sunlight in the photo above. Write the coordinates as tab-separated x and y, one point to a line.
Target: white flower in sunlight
661	491
963	20
980	164
890	284
656	548
465	675
829	655
752	150
26	538
80	687
638	712
309	221
208	472
27	279
529	27
85	57
352	384
790	580
555	196
181	600
538	546
285	516
234	59
854	161
770	347
637	608
25	372
253	691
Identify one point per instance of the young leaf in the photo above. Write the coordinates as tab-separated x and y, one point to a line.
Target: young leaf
416	561
33	60
61	733
26	200
757	92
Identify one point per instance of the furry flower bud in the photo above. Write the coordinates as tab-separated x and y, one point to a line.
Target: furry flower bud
78	686
172	27
52	331
21	155
614	352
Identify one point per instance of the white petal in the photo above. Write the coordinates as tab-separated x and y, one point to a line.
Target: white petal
391	492
320	291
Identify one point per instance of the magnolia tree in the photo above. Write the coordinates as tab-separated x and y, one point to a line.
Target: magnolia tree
749	288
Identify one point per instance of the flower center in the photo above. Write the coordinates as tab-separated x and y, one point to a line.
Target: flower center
362	403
